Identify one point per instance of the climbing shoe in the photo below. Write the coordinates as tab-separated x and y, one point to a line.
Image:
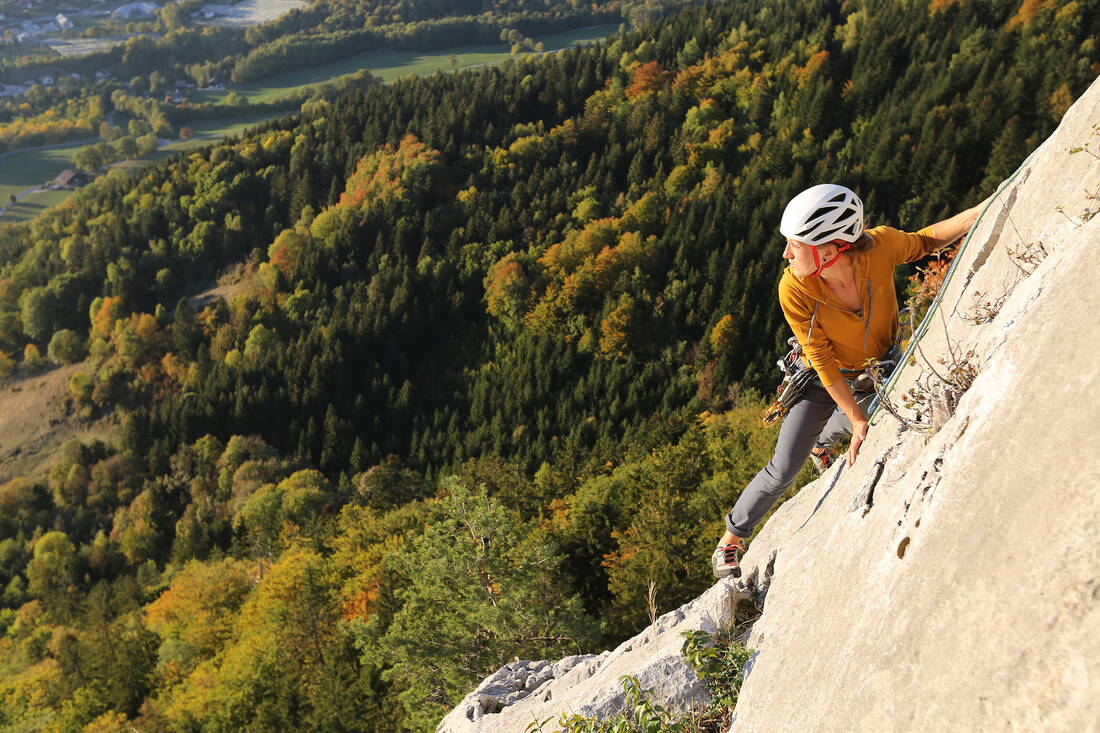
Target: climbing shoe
724	561
822	457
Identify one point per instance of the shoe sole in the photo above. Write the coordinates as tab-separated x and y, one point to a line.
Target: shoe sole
732	573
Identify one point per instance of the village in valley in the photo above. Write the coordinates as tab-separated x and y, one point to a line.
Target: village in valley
39	42
76	27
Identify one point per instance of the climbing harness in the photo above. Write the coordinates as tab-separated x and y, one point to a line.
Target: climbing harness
797	377
863	380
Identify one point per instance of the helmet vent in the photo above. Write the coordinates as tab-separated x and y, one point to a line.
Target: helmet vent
839	198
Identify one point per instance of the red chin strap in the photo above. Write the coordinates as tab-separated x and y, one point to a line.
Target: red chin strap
817	258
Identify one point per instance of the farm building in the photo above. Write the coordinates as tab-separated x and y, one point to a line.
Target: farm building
69	179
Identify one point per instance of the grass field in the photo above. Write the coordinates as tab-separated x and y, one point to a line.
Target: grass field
250	12
207	130
34	422
390	65
81	46
23	169
20	171
34	204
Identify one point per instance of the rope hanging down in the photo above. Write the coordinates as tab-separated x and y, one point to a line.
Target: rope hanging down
918	334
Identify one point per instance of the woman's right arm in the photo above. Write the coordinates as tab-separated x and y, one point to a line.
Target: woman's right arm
947	231
846	401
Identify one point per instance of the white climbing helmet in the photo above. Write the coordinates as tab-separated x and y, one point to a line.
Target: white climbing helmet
822	214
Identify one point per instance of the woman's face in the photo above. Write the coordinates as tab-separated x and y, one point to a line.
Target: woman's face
800	258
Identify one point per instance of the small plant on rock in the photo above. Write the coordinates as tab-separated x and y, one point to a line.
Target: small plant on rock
936	392
1027	256
1087	146
645	716
984	308
936	395
719	661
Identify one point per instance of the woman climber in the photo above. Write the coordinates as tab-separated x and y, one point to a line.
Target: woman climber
838	297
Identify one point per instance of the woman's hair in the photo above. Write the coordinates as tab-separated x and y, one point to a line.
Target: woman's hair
863	243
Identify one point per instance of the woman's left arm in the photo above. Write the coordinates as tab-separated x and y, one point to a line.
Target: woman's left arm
947	231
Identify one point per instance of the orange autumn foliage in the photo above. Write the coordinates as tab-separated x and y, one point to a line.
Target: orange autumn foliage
505	287
361	604
939	6
814	64
1027	12
728	69
646	78
925	283
564	257
391	173
103	322
632	251
198	610
616	330
286	250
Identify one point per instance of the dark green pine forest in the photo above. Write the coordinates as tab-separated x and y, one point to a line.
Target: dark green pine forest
489	358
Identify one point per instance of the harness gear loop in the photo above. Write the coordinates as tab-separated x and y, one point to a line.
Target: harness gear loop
795	378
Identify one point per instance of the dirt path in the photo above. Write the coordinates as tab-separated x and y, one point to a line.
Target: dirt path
18	197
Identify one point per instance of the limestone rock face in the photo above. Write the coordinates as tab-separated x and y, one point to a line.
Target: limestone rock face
524	692
952	581
947	580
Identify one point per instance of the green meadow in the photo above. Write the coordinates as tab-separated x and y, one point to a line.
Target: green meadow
34	204
28	168
207	131
390	65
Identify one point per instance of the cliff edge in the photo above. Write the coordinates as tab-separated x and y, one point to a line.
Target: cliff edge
947	579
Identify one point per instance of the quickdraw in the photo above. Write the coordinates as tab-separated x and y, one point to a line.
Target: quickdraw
795	378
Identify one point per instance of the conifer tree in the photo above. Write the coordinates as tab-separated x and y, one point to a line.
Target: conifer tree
472	581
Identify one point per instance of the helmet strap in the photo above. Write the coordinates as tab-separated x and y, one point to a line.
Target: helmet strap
822	266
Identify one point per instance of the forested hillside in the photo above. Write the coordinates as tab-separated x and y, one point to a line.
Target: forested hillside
145	82
491	367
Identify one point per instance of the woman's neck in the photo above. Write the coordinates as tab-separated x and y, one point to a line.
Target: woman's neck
841	274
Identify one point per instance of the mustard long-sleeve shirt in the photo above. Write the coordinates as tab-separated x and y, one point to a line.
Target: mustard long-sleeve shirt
840	338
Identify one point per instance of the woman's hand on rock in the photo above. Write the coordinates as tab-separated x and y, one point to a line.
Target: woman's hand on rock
859	434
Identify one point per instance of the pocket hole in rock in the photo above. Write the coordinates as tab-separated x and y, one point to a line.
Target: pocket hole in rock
917	524
902	547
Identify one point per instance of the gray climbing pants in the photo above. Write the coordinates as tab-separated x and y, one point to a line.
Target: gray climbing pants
815	418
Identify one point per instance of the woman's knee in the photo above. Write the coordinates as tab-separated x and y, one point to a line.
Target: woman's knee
779	478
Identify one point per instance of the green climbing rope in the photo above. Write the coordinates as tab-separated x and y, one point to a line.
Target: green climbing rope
918	334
